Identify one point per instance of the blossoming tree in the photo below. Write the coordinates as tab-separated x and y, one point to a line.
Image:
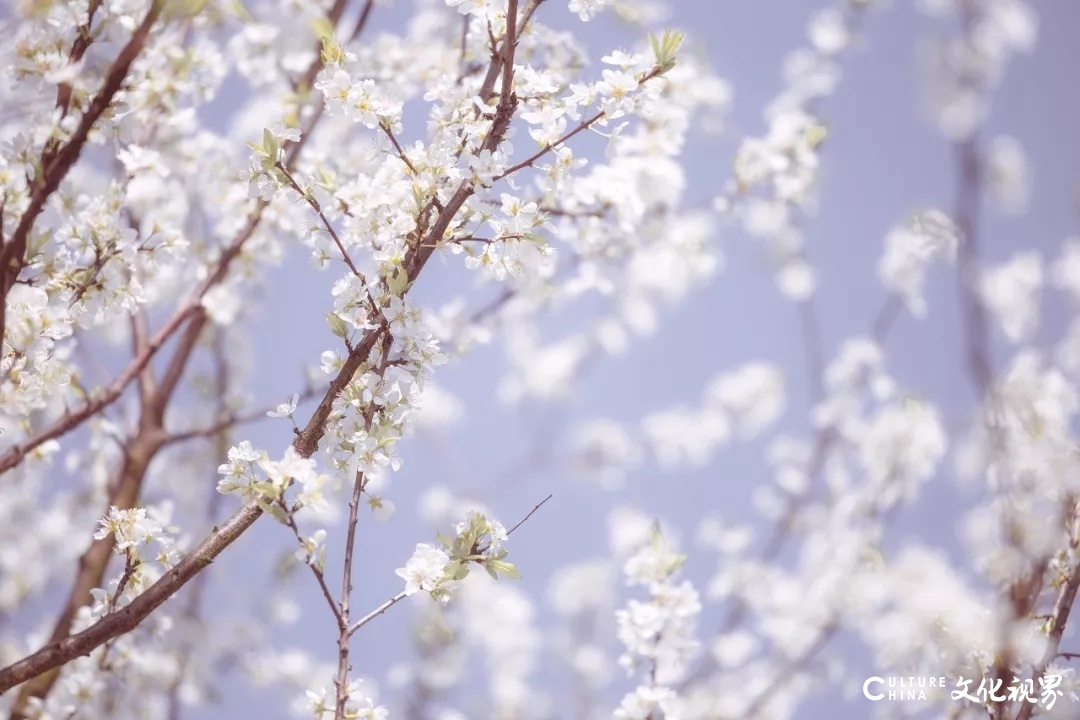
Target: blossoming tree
387	145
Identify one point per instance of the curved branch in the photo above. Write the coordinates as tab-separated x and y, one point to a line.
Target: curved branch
55	166
58	653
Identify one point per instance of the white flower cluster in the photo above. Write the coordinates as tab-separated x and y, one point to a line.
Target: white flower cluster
775	174
750	397
962	70
251	474
659	634
358	704
135	529
910	249
1011	294
437	569
134	532
359	101
127	236
425	569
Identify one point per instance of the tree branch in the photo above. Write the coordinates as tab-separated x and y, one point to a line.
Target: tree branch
191	309
55	167
62	651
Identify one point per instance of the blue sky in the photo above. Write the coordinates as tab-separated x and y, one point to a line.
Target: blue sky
882	161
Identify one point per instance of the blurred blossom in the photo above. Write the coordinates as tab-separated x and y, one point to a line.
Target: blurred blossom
1011	292
1008	174
603	452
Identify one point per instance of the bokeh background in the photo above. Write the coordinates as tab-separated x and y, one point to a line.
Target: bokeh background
883	160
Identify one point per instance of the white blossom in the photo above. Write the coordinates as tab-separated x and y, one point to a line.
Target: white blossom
424	569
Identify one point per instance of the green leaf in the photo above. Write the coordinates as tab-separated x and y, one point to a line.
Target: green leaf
398	282
274	511
324	29
270	143
184	8
263	487
666	48
507	569
816	135
237	9
331	52
337	325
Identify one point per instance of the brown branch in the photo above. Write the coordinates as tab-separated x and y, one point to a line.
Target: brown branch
55	166
230	420
376	612
531	512
1062	609
292	154
397	146
320	577
341	682
57	653
487	87
192	611
582	126
401	595
359	483
314	203
190	310
463	48
361	21
976	324
140	341
151	434
509	48
73	419
137	454
78	49
140	451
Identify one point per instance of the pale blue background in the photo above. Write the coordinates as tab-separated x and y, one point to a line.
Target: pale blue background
881	161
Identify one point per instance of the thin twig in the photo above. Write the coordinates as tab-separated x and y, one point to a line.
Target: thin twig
359	483
397	146
401	595
56	165
522	521
192	308
582	126
320	576
1062	609
314	203
376	612
58	653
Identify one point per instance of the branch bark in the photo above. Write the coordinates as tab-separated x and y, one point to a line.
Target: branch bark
55	166
191	309
59	652
62	651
